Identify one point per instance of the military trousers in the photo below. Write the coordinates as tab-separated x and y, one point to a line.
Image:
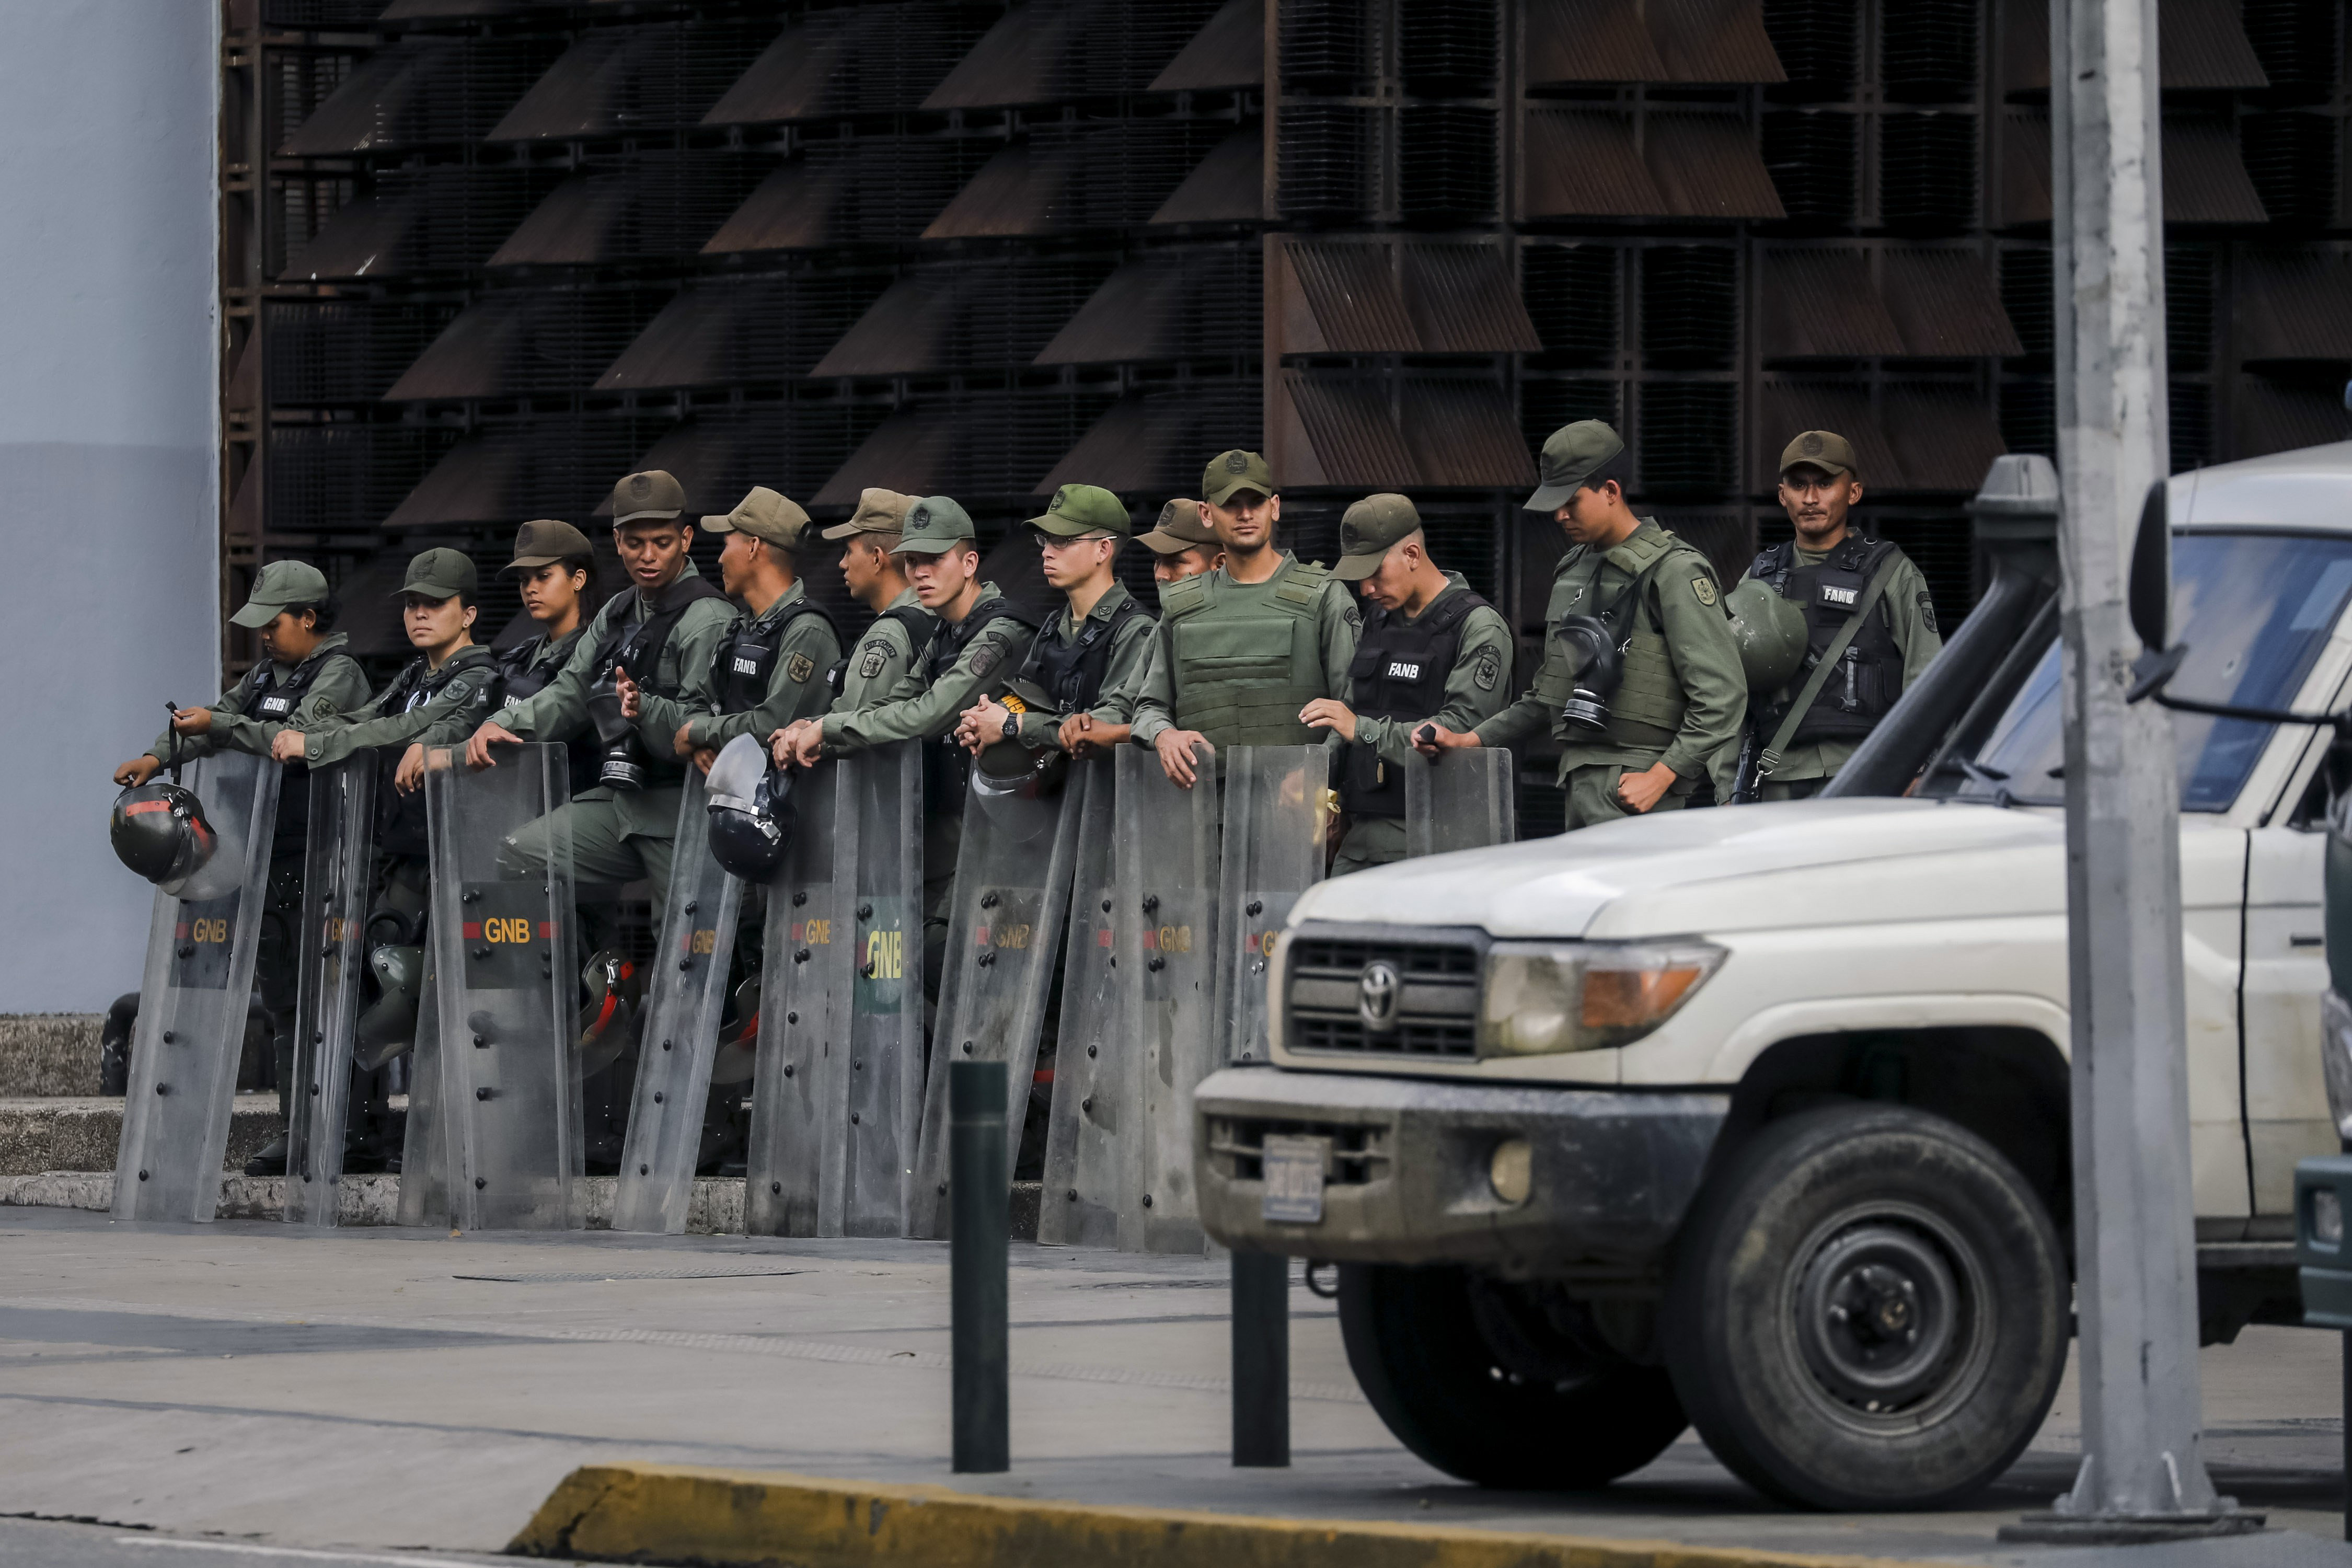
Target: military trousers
1795	789
612	842
1592	794
1370	841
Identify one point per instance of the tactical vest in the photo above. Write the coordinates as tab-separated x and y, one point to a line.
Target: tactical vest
1647	712
739	670
271	702
947	766
517	679
1070	674
1869	678
1399	672
638	649
1247	654
917	622
400	824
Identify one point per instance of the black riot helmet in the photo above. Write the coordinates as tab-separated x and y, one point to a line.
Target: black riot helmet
158	830
751	817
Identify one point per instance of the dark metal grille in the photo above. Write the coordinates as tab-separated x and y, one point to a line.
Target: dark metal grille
1327	159
1811	157
1928	52
1437	1002
1928	171
1689	434
1690	305
1445	45
1237	1145
1445	161
1573	296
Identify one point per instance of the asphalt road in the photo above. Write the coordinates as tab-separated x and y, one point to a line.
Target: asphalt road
373	1394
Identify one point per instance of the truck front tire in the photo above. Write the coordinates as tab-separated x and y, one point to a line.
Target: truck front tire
1471	1377
1868	1309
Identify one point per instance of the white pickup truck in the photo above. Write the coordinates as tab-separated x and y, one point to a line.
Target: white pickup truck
1757	1118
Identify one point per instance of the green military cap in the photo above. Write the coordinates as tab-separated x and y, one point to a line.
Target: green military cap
1823	449
936	525
878	512
650	494
1571	452
1367	530
766	516
1180	529
1229	471
438	574
543	541
1083	509
282	585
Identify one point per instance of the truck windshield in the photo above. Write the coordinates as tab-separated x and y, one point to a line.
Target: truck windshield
2254	610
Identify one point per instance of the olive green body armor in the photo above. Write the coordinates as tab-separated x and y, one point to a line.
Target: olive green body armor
1247	654
1648	707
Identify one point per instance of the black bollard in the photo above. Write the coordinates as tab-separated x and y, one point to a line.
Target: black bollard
980	1222
1261	1360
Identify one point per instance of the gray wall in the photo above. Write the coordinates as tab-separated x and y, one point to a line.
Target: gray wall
108	335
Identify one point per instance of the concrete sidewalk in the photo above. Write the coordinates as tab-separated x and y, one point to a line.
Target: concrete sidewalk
389	1389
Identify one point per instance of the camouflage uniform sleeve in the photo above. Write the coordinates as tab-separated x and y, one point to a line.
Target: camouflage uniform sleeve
796	688
1155	693
369	728
1475	689
558	710
920	712
1705	659
877	664
1911	613
685	664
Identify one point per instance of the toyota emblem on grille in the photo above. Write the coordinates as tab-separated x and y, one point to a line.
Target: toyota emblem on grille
1376	996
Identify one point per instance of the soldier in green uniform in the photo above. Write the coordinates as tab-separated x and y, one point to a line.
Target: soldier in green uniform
979	642
303	678
1641	741
1242	650
771	670
1182	544
1826	571
1431	651
1076	688
558	569
870	567
663	631
436	690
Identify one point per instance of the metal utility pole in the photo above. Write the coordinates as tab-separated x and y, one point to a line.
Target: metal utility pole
2143	1474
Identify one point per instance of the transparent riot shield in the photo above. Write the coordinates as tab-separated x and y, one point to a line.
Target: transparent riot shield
1086	1148
509	983
796	1168
683	1001
1005	925
425	1149
1463	801
202	943
885	993
337	864
1275	823
1163	944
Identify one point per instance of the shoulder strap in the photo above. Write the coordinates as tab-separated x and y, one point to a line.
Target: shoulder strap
917	622
808	606
1185	596
1452	607
1770	758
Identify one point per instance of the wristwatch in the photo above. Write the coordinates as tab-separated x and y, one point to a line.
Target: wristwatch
1011	725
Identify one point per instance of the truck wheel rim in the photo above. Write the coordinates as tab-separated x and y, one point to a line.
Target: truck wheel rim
1888	1310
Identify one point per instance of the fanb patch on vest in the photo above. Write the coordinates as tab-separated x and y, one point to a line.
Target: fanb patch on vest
799	667
1835	595
877	654
1488	670
1400	670
1705	588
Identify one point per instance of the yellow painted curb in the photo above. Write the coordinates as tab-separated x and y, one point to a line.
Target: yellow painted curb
690	1514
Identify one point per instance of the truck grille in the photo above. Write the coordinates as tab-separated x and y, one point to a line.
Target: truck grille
1237	1147
1436	1012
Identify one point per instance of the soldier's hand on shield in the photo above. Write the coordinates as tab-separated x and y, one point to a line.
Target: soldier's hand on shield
286	746
1177	748
136	771
799	743
409	777
478	749
983	725
626	690
1329	713
704	758
683	742
1434	739
192	721
1643	790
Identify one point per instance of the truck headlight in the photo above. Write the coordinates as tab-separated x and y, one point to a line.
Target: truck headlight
1545	999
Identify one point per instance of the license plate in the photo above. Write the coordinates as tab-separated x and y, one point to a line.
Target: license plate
1294	1178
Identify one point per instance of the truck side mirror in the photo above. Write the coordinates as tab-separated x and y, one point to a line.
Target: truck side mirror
2149	593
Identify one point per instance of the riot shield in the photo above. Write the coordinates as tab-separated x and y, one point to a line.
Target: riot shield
202	943
1164	944
835	1099
1092	1115
508	977
337	864
424	1148
1463	801
1005	925
1275	823
687	992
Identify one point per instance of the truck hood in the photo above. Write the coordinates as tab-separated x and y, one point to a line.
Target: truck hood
1778	865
